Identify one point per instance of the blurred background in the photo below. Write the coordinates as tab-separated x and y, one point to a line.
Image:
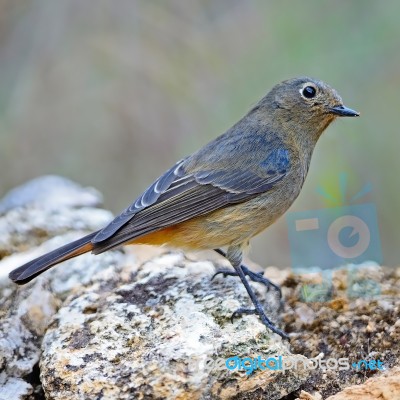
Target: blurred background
110	94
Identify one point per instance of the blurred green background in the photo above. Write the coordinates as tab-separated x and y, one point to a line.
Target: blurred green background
111	93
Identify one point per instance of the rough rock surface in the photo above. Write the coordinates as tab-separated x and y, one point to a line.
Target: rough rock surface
354	322
44	208
25	312
150	331
384	387
50	192
109	326
138	324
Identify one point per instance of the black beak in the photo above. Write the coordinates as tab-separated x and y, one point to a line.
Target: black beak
343	111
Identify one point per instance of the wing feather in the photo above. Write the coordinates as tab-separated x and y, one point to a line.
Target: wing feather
179	195
149	197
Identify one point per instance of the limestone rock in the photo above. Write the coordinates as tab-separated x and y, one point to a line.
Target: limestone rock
309	396
25	312
44	208
162	330
14	388
382	387
136	323
50	192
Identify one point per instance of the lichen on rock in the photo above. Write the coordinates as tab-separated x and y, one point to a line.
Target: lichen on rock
109	326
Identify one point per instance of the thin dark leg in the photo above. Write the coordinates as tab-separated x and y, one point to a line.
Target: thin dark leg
235	257
254	276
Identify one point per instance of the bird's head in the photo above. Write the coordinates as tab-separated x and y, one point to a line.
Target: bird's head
305	104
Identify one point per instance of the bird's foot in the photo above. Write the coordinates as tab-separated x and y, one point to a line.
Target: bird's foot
265	320
254	276
234	256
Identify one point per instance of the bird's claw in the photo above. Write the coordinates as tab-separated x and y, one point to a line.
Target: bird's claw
241	271
254	276
265	320
224	272
243	311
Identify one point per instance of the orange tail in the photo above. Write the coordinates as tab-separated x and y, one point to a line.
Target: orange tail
33	268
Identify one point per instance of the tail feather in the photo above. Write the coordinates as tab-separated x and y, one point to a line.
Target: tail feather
33	268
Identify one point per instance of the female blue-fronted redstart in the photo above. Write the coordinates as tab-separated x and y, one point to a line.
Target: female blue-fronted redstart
228	191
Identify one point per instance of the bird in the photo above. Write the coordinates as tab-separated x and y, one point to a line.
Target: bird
226	192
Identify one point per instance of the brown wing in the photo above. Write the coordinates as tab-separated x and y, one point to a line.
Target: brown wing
178	196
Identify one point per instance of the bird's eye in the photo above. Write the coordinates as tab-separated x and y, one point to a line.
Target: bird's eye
309	92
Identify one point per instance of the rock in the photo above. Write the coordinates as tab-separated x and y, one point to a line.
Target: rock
152	337
20	328
305	314
14	388
44	208
25	312
50	192
140	323
383	387
309	396
107	326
